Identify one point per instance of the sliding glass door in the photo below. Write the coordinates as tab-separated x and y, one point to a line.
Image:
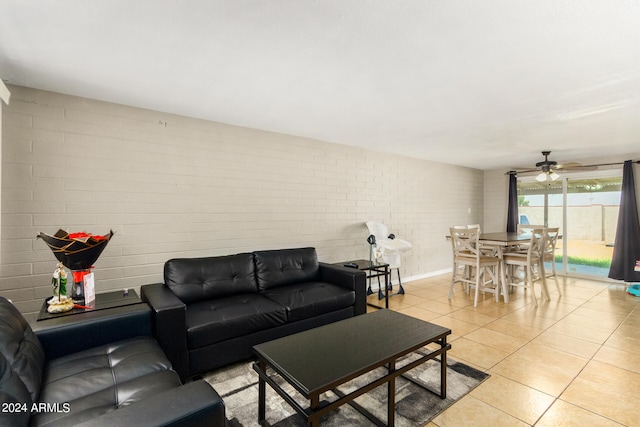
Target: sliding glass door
585	207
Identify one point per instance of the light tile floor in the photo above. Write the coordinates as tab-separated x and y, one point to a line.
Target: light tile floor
571	361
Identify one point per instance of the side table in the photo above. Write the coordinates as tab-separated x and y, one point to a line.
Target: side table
103	301
127	316
374	269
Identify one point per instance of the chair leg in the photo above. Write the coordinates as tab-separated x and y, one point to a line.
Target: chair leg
479	274
496	281
543	277
493	277
453	279
505	287
464	279
468	273
512	277
529	272
555	276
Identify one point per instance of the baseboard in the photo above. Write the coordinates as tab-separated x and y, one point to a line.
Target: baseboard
426	275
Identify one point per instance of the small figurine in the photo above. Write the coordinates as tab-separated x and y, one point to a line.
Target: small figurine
59	281
60	302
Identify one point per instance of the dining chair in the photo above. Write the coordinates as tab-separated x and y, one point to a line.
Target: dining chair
531	260
523	228
480	271
551	238
462	269
465	268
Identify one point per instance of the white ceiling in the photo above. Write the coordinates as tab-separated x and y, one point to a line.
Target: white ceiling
485	84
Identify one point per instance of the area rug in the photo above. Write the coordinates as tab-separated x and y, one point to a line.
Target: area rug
238	387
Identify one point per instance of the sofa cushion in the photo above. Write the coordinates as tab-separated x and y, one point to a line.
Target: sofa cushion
12	392
286	267
310	299
213	321
105	367
199	279
21	347
93	404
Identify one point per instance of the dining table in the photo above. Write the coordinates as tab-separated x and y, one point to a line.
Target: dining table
496	243
504	239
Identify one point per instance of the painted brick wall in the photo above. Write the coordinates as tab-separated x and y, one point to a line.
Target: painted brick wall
172	186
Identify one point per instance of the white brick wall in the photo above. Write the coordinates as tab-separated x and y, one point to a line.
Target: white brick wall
172	186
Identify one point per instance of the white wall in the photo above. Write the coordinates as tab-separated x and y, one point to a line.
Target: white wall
172	186
496	197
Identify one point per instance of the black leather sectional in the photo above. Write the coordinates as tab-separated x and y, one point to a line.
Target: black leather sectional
210	312
103	371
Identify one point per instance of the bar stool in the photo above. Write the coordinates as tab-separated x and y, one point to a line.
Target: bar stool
529	259
467	253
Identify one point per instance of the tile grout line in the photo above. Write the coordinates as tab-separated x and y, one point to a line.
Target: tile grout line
583	368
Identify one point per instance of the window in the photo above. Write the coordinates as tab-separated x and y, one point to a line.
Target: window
585	206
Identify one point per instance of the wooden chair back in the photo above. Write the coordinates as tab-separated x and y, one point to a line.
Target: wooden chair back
464	242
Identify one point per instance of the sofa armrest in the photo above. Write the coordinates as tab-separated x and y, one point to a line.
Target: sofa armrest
350	278
169	325
193	404
70	334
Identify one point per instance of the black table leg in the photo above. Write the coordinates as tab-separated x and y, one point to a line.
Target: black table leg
386	288
262	393
443	370
314	419
391	396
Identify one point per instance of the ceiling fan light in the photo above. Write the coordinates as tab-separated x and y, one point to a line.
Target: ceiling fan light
554	176
542	177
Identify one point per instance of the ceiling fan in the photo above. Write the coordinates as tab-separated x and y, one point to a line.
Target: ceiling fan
548	167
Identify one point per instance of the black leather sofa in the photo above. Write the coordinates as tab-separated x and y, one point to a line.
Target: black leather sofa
105	370
210	312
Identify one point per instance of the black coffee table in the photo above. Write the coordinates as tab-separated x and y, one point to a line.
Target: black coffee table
321	359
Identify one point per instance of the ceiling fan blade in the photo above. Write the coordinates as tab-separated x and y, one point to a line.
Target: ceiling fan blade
569	165
550	167
523	170
563	170
579	167
526	172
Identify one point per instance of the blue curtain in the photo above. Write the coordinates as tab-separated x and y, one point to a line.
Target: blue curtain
626	249
512	209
